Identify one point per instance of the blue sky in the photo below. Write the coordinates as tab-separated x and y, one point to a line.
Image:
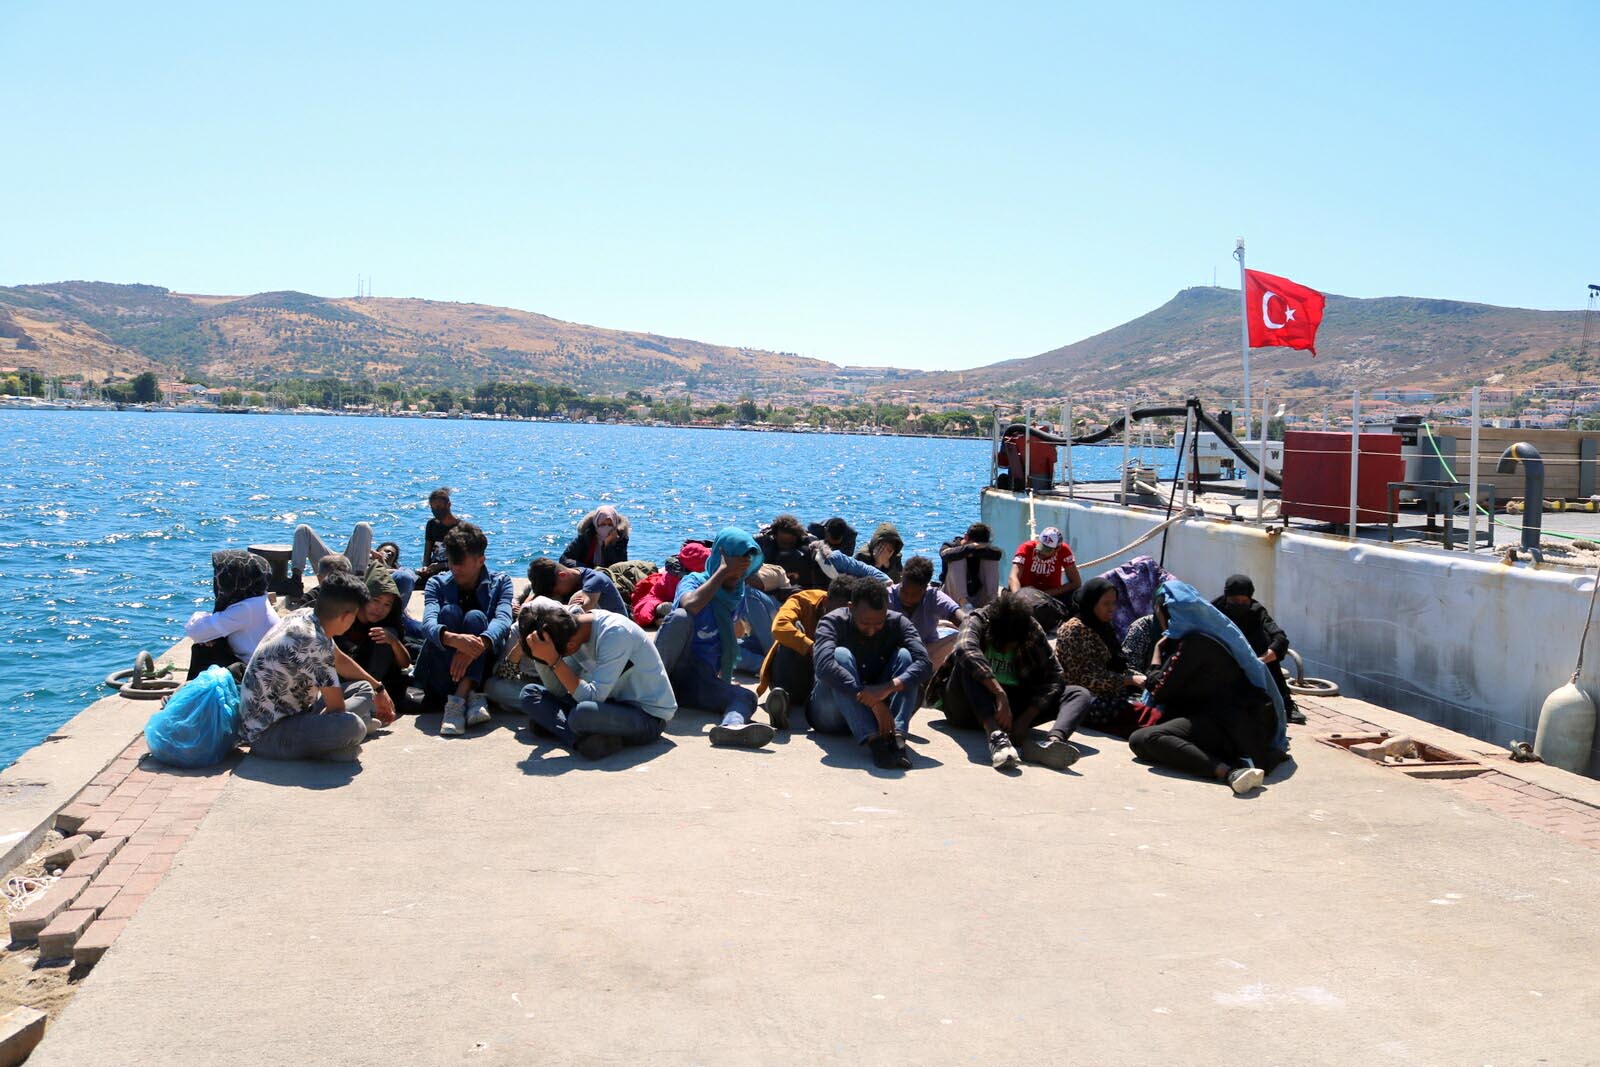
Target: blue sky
921	185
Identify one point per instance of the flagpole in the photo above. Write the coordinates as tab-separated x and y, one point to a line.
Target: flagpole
1244	334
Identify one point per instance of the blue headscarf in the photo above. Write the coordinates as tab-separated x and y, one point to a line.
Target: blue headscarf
1190	613
725	605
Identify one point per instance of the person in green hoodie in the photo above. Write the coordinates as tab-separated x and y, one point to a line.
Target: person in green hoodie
374	641
883	551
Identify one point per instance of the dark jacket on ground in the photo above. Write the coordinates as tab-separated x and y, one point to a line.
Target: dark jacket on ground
1039	675
873	654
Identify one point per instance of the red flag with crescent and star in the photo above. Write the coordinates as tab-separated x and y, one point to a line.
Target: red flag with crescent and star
1281	313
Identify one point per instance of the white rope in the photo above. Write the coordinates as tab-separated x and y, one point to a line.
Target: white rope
1141	539
20	891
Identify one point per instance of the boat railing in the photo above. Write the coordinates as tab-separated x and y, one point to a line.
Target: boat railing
1459	452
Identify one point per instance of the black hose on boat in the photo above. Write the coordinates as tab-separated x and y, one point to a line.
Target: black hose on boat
1202	418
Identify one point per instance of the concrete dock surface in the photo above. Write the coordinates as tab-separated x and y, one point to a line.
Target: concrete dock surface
495	900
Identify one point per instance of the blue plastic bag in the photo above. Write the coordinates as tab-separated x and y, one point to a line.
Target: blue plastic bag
199	724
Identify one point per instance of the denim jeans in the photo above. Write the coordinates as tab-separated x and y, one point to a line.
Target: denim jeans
314	734
405	580
696	683
432	673
571	721
833	711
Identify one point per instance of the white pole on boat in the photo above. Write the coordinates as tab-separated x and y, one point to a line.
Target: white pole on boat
1127	431
1027	447
1261	458
1066	420
1472	479
994	450
1355	456
1186	446
1244	334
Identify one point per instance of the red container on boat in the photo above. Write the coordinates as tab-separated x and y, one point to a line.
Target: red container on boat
1316	476
1041	463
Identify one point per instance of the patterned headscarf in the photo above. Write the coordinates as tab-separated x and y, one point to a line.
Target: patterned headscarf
237	575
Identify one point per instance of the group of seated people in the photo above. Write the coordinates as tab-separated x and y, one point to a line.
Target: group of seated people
858	640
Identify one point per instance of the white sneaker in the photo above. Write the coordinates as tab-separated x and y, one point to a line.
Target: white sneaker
454	723
1246	780
477	709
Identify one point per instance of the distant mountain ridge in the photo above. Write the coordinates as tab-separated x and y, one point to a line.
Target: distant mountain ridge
96	328
1192	342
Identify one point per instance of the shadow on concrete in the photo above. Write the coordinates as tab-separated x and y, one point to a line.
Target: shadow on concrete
298	774
149	763
536	764
843	750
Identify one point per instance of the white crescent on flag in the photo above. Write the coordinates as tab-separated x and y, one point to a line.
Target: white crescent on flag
1266	314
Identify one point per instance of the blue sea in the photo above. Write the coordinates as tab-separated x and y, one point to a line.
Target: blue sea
108	519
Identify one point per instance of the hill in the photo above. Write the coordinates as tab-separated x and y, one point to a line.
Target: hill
97	329
1192	341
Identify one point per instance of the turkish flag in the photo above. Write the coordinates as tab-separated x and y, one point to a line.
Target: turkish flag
1281	313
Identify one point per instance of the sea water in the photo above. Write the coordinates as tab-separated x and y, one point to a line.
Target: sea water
108	519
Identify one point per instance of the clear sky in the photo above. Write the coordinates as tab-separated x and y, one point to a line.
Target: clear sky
921	185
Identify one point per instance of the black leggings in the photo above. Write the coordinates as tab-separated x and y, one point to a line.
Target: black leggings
793	673
216	653
1186	745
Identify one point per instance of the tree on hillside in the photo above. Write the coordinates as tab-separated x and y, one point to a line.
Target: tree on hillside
146	388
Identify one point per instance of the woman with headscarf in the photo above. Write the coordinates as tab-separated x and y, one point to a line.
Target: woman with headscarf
699	640
240	616
1099	685
1221	716
602	539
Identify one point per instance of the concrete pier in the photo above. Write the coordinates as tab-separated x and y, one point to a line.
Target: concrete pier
491	900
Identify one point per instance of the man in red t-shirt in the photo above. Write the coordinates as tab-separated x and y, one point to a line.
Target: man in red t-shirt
1046	565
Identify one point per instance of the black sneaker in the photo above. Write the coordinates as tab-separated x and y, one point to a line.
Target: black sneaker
1001	754
1051	752
742	735
598	746
778	707
1295	715
902	754
1245	780
883	753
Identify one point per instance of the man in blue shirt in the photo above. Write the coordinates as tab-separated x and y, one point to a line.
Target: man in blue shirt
699	641
602	685
467	615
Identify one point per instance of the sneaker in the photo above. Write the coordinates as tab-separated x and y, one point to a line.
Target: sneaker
884	754
1244	780
1051	752
1001	754
454	723
778	708
742	735
477	709
1295	715
598	746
